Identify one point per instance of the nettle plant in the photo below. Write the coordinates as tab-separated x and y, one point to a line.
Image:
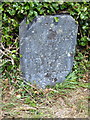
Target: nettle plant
14	13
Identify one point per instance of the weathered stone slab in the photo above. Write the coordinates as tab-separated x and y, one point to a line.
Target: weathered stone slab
47	49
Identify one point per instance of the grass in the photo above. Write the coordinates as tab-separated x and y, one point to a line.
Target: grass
26	100
40	106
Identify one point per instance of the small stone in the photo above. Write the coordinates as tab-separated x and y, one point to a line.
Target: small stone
32	31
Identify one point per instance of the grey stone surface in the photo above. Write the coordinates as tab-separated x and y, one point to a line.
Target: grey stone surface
47	49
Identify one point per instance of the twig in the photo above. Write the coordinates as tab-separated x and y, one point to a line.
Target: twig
12	61
30	85
4	62
6	50
28	92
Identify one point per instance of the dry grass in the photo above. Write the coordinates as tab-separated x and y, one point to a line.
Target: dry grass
72	105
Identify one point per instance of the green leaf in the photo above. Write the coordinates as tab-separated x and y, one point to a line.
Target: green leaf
35	13
56	19
27	7
12	12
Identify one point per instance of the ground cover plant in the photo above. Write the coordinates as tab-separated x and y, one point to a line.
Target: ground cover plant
20	98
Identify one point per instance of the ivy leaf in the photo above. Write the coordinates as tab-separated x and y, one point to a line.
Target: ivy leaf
56	19
35	13
12	12
27	7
